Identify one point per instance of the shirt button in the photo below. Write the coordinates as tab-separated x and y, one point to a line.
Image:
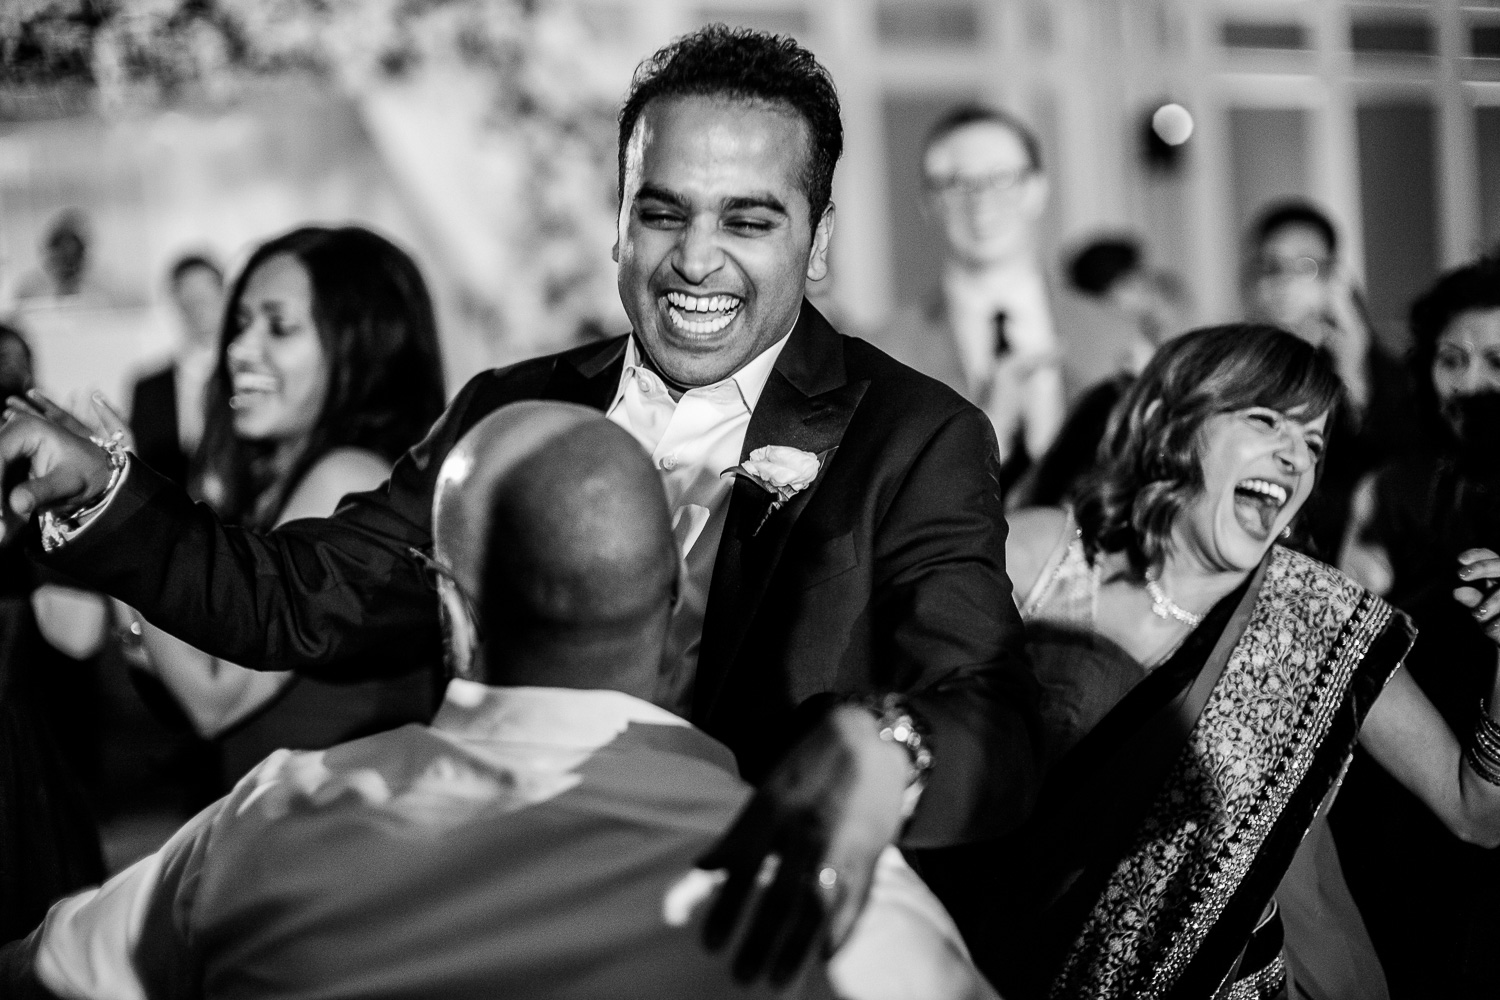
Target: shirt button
643	383
667	463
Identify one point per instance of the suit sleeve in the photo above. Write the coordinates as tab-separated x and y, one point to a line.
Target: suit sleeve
338	598
945	616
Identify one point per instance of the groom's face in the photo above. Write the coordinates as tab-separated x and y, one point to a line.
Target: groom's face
715	243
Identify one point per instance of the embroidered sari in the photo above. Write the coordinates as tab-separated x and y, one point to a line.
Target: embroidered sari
1155	880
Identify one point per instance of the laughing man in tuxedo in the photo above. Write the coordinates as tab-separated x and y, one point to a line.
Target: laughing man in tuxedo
846	625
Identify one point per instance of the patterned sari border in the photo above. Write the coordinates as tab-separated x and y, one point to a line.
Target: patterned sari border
1243	844
1291	670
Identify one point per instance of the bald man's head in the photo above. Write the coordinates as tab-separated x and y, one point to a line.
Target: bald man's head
554	519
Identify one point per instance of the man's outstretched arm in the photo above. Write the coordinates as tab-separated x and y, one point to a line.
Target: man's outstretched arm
316	595
952	640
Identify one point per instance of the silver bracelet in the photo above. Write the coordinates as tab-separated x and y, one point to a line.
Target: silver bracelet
55	528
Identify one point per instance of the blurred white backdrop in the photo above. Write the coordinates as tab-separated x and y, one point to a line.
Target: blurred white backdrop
479	133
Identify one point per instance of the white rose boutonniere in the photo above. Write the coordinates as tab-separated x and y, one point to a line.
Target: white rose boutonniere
781	471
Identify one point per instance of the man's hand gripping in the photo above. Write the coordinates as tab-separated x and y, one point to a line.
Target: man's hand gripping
63	470
802	852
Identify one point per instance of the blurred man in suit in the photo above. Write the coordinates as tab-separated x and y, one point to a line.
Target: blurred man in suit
166	405
987	330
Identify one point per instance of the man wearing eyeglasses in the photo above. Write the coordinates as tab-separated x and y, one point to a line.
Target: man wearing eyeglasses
1295	279
1295	282
987	330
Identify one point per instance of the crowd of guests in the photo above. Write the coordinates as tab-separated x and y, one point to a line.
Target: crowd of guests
734	655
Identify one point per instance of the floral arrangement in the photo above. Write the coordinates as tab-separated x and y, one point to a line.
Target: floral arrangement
530	70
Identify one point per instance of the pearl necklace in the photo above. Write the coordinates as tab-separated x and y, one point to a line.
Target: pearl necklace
1163	606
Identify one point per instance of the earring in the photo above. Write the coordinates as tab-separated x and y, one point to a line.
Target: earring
1286	532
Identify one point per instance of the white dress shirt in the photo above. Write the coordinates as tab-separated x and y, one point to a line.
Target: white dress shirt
1022	390
692	441
195	366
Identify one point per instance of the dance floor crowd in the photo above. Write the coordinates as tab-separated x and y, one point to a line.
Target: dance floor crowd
738	655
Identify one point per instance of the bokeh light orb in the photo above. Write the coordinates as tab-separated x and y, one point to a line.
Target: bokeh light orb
1172	124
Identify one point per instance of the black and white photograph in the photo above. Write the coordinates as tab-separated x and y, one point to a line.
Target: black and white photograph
674	499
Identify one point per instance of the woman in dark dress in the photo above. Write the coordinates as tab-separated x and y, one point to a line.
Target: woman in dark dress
49	844
328	370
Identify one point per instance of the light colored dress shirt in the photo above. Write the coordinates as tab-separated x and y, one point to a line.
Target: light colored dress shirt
523	845
692	441
195	366
1023	390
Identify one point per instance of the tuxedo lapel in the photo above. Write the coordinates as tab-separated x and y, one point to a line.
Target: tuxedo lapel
589	376
807	404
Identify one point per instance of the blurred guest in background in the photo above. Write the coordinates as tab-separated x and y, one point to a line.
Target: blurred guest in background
1419	523
987	331
327	370
49	844
64	267
166	405
1113	272
1294	279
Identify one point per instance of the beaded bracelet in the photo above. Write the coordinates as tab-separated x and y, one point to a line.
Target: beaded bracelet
56	528
1483	751
898	725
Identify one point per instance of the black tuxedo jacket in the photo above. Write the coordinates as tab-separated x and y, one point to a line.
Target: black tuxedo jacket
153	424
886	574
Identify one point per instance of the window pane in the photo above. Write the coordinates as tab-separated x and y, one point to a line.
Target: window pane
1268	161
1484	40
1255	35
1398	192
916	244
1487	139
1391	36
917	23
781	22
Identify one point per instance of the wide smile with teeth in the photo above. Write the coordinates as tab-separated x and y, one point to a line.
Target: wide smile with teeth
248	385
254	382
701	314
1262	487
1257	505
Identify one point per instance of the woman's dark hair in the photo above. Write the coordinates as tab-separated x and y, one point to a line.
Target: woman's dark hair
1473	286
746	65
1294	212
1149	463
1096	268
375	322
14	382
